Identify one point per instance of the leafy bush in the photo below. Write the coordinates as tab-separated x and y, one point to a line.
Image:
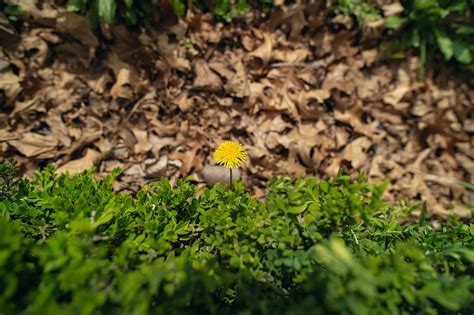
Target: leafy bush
445	25
72	245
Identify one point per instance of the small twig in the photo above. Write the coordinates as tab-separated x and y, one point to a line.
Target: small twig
355	237
9	138
315	64
98	238
288	64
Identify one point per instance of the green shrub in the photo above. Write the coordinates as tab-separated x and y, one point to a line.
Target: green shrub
445	25
74	246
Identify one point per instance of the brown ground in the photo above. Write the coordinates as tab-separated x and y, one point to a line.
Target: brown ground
304	92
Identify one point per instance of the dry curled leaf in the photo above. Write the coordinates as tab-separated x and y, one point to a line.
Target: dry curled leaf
84	163
205	78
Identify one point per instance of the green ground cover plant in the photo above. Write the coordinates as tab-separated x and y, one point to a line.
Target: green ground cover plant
74	246
429	27
436	26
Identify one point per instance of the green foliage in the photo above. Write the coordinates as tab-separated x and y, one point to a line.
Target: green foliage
229	10
8	181
445	25
128	11
363	10
133	12
223	9
12	12
428	26
74	246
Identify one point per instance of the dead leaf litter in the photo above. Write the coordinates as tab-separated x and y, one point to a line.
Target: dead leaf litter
304	99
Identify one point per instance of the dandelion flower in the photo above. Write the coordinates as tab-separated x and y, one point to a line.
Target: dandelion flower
230	154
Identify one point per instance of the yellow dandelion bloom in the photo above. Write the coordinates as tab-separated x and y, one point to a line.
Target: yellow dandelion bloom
230	154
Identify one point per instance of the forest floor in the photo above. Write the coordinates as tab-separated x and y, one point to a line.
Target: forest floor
305	92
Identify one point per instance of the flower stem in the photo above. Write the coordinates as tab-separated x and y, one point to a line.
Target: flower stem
230	179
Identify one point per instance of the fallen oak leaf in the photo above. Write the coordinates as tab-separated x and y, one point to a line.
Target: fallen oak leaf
307	107
264	51
142	145
395	96
10	84
204	78
33	144
76	166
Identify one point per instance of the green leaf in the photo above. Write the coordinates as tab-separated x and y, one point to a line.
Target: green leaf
128	3
75	5
107	10
179	7
130	16
13	10
464	29
462	52
324	186
394	22
445	44
469	186
243	7
298	209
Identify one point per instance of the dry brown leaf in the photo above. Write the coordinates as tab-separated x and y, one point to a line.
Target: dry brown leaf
420	109
395	96
99	83
204	78
369	87
392	9
104	146
45	15
10	85
385	116
58	128
353	116
184	102
370	56
336	79
39	49
290	55
142	145
190	160
466	162
79	27
355	153
135	170
157	169
33	144
84	163
6	135
222	68
294	16
310	103
238	85
126	79
264	51
256	153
